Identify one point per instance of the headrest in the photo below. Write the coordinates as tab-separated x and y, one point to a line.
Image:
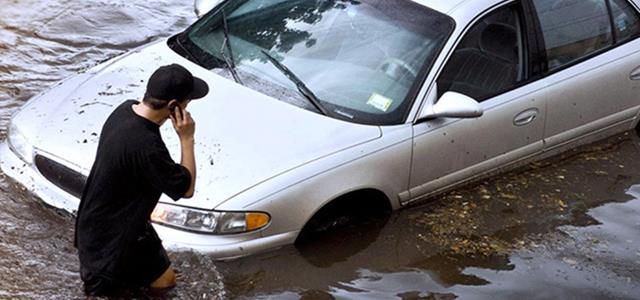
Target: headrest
500	40
568	3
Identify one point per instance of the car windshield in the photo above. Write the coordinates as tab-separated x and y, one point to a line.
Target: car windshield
363	60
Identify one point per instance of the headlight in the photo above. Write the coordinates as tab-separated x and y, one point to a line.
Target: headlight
216	222
19	144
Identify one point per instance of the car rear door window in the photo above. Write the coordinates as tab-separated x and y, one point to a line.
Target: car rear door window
573	29
625	20
490	58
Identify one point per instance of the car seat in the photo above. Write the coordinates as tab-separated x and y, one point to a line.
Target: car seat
488	67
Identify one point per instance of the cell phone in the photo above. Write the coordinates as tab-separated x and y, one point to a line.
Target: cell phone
174	108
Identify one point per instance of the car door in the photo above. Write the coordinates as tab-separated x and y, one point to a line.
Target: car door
592	66
495	63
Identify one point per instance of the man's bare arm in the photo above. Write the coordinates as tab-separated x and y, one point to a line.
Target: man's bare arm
185	128
189	161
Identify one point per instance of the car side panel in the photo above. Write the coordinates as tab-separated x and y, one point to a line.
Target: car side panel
448	151
293	198
594	94
635	121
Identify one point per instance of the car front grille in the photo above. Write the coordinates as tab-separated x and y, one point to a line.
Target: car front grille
63	177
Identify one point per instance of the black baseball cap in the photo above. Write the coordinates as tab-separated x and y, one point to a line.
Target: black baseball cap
175	82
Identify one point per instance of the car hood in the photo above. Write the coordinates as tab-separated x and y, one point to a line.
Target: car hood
243	138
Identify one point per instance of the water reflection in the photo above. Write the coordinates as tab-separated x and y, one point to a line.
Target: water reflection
430	249
344	244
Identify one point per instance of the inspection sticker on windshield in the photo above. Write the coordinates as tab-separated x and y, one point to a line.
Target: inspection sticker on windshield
380	102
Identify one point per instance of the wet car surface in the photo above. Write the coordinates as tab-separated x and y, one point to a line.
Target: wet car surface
567	227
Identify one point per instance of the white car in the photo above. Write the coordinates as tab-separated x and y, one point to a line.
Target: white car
324	109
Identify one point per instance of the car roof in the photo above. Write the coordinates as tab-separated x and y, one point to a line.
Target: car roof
444	6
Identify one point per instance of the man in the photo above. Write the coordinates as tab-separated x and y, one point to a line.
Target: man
118	248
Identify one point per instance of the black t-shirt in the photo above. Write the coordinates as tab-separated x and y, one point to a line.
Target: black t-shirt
131	171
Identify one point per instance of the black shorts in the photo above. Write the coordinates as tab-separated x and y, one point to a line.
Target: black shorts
145	261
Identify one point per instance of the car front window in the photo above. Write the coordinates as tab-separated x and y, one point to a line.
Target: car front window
490	58
363	60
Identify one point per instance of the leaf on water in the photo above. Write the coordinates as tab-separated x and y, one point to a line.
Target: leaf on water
508	196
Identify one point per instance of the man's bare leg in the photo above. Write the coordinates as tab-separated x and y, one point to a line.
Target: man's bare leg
166	280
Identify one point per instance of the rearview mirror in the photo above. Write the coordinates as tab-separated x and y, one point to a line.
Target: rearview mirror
201	7
453	105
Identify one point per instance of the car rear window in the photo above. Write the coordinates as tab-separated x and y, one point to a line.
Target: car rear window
576	29
625	19
573	29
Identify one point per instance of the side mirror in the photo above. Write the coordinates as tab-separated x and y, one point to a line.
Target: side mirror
452	105
201	7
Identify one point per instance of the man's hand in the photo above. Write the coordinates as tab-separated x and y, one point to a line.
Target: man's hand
183	124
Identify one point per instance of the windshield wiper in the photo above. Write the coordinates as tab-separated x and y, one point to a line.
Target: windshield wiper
304	90
230	62
187	52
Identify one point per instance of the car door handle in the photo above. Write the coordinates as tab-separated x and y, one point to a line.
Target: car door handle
525	117
635	74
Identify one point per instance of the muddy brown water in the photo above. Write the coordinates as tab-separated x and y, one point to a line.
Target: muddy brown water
565	228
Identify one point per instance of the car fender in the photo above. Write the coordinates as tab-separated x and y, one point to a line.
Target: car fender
381	165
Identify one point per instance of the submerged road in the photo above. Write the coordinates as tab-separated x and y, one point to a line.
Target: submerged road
565	228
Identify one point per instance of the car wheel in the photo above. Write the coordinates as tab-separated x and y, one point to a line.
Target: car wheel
352	209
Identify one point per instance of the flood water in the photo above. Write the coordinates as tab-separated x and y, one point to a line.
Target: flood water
564	228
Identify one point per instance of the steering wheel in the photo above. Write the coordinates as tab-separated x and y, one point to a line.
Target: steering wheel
396	68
